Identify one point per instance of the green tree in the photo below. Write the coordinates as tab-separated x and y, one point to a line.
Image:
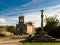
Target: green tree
1	29
11	29
38	30
51	27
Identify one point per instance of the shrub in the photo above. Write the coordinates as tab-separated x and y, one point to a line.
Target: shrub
2	35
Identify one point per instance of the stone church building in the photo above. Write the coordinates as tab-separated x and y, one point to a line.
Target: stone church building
24	28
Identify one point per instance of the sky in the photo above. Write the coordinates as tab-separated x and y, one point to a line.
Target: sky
10	10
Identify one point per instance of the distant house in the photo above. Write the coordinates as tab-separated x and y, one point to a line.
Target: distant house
26	28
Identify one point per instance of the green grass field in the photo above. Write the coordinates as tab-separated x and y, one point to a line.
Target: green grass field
42	43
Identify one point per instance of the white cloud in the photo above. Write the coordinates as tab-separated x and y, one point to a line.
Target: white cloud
2	20
34	17
54	10
29	3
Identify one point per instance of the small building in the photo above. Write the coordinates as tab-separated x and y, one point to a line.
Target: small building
30	28
26	28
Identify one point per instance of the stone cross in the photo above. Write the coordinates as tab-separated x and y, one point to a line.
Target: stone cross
42	20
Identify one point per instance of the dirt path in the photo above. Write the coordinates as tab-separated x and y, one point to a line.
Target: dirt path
11	42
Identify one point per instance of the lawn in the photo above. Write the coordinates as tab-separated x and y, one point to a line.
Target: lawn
42	43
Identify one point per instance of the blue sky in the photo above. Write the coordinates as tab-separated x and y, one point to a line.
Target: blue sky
10	10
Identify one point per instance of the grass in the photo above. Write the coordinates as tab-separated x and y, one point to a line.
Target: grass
41	43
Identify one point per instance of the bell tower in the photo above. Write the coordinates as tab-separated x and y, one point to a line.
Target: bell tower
21	20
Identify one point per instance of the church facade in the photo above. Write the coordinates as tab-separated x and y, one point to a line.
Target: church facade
26	28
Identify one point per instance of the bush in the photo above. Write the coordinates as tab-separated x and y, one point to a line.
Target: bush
2	35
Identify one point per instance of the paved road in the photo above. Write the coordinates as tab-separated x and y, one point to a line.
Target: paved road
11	42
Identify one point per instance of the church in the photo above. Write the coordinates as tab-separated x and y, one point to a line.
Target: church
24	28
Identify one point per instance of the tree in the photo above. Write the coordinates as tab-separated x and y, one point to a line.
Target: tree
52	24
0	30
11	29
38	30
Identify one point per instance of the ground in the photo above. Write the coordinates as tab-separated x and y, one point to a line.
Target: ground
16	42
11	42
